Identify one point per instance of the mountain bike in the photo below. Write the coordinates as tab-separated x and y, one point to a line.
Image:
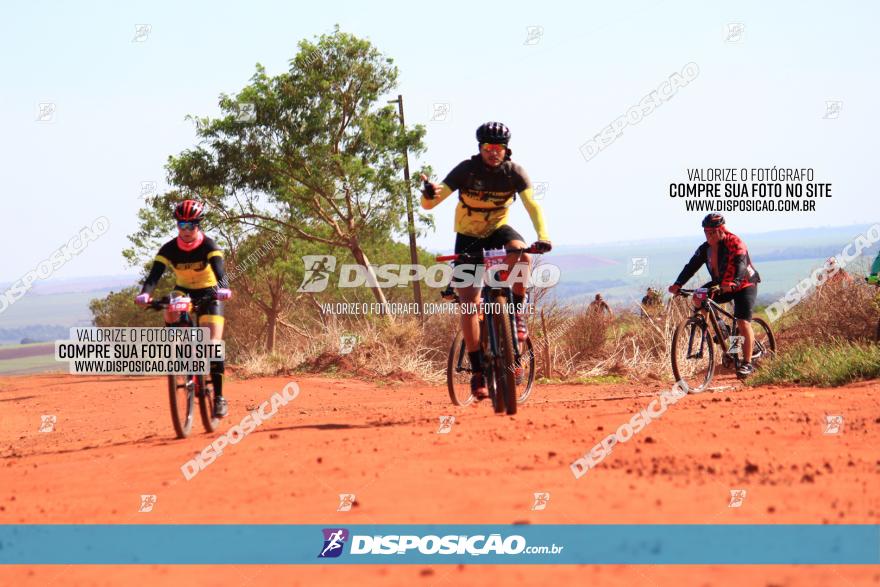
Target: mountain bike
184	388
502	351
693	346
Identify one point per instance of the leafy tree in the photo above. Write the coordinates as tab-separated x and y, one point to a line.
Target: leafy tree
314	153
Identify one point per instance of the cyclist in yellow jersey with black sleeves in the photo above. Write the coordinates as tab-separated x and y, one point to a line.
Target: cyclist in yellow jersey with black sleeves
488	184
199	273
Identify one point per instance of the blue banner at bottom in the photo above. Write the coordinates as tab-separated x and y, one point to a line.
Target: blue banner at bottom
440	544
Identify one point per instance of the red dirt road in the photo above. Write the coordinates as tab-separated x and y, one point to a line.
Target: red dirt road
113	442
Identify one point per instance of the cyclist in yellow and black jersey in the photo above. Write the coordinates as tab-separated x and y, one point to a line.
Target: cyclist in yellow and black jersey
487	185
197	263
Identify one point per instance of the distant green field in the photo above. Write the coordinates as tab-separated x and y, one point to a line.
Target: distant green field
65	309
38	363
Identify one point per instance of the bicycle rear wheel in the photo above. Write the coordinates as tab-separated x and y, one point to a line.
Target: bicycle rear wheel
206	405
505	362
181	393
459	372
693	354
765	343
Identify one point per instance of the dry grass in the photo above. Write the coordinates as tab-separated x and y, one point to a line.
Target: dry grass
845	310
571	344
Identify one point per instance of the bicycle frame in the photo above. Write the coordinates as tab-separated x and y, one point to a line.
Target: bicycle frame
713	308
487	294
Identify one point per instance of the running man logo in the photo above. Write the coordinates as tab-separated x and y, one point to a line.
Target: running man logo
346	500
440	112
735	32
47	423
446	423
735	344
334	540
317	275
347	343
833	424
541	501
737	496
639	266
147	503
832	109
534	34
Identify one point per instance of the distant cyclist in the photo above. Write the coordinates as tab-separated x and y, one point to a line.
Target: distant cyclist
487	185
652	302
197	263
599	307
730	267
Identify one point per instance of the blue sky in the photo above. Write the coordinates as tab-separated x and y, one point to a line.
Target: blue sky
120	105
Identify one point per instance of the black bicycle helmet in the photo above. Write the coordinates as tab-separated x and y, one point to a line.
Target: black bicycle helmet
494	133
713	221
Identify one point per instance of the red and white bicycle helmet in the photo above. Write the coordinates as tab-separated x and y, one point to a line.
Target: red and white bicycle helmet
189	211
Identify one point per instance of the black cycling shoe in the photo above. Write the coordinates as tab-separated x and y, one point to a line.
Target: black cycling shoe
478	387
221	408
744	370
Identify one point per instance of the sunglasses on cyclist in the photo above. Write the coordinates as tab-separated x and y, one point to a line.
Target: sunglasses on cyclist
187	225
493	148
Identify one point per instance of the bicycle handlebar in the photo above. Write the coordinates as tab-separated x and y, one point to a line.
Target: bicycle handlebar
165	301
478	257
686	292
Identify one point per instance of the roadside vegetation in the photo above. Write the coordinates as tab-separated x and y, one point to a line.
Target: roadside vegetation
308	164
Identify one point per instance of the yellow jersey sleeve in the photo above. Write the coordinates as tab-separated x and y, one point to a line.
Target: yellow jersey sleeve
536	213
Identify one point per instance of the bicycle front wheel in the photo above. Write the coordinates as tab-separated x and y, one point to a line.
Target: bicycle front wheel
206	405
459	372
527	364
181	393
505	361
693	354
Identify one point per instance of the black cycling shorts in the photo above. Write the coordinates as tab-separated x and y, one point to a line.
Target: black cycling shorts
212	311
473	245
743	301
